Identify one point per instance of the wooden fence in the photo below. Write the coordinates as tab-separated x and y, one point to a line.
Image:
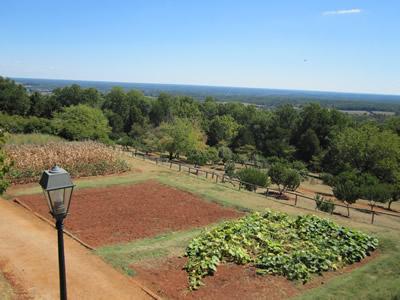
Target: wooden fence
223	178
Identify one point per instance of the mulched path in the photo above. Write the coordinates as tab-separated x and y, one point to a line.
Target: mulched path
120	214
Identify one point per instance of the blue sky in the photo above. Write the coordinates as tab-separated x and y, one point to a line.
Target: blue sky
329	45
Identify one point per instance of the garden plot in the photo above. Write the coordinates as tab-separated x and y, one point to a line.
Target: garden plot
120	214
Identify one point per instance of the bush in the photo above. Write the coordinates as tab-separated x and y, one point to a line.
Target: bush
251	177
197	158
326	205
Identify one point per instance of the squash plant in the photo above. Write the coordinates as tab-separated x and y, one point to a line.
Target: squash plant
275	244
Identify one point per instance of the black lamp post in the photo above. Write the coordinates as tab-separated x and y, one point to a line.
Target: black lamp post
57	188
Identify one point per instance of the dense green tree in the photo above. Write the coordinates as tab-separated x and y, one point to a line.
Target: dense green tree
91	97
163	110
82	122
366	149
223	130
187	107
13	98
320	121
69	95
209	108
117	102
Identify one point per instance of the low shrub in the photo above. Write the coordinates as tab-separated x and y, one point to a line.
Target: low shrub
251	177
323	204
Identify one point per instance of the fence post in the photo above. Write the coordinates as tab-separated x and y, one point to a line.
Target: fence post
295	201
267	192
197	172
212	175
206	174
216	178
223	178
180	167
348	211
240	185
189	171
170	166
156	161
135	152
373	215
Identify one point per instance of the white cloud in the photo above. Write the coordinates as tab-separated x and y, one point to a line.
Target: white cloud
341	12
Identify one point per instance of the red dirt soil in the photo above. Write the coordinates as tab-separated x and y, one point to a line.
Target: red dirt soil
120	214
231	281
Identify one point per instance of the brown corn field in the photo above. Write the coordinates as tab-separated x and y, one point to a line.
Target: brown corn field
77	158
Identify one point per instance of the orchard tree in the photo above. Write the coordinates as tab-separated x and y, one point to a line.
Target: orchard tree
346	187
252	177
180	136
284	177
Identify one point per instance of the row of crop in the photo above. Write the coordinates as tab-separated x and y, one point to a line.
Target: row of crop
77	158
277	245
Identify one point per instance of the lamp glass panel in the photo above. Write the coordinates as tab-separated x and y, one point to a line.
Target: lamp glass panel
48	200
67	197
57	200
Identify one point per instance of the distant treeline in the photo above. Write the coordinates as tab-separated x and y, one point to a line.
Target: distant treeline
269	98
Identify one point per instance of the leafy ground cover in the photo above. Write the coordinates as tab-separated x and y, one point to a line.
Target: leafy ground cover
277	245
77	158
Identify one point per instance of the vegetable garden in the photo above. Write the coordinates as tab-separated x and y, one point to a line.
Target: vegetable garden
143	227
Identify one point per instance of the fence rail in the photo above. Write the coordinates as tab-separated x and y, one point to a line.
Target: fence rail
223	178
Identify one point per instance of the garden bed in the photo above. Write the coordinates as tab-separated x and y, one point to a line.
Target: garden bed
120	214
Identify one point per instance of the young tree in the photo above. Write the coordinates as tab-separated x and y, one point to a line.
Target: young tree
346	187
212	155
225	154
284	177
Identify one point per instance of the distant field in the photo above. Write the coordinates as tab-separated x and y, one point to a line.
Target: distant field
364	112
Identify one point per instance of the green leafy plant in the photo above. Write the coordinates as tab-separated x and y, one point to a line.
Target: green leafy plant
276	245
5	164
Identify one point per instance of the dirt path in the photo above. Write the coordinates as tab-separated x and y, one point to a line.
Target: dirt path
28	254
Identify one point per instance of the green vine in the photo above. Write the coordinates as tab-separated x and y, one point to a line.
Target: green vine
276	245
